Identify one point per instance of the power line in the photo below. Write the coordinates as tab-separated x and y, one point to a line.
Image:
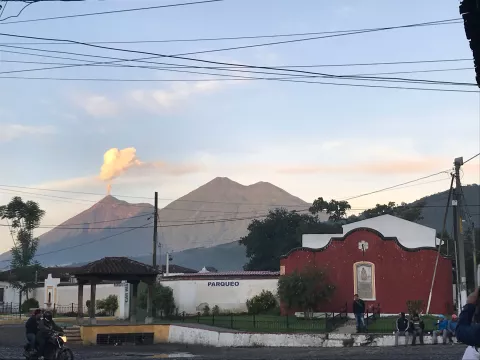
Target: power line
102	221
18	14
202	221
3	8
251	37
184	67
172	66
473	157
89	242
192	223
395	186
211	221
219	63
353	32
266	79
318	75
116	60
188	200
108	12
198	223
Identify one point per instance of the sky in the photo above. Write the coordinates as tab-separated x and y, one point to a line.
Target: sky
310	139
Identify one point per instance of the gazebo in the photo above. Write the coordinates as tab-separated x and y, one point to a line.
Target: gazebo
115	269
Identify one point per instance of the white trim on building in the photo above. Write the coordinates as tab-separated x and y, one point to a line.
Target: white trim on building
408	233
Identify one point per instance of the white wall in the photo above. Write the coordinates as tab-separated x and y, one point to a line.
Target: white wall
10	295
189	294
66	295
409	234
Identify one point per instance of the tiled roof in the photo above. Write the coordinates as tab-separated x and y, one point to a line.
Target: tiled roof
116	266
236	273
57	272
178	269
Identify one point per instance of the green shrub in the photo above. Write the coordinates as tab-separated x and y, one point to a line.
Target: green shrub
29	304
109	305
216	310
262	303
206	310
305	290
163	300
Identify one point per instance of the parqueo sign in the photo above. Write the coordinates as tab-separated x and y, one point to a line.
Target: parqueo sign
223	283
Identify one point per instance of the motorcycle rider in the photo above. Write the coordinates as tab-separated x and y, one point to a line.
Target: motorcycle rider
45	327
31	329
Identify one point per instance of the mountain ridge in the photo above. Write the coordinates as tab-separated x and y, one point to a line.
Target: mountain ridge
213	214
201	228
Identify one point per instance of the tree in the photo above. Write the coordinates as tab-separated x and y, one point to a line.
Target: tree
336	210
281	231
262	303
109	305
163	299
305	290
409	212
24	218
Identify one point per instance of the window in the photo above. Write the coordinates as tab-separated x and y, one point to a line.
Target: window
2	295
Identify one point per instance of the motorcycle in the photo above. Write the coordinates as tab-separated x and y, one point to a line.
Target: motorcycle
55	349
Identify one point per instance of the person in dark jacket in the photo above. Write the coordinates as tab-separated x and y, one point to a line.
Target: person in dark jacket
466	332
31	329
402	328
45	327
418	326
359	311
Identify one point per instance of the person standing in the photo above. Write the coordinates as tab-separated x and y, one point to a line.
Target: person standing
402	328
359	312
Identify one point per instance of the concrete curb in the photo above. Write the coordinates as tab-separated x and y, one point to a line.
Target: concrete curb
194	336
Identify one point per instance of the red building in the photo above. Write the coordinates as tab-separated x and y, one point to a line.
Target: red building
379	269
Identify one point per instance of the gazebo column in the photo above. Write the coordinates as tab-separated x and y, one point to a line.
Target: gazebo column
91	309
149	318
133	304
80	303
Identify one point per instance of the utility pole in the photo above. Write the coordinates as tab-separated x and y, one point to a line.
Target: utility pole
155	234
475	270
458	236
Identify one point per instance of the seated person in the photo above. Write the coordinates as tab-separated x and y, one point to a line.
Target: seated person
450	330
418	327
402	328
31	329
440	331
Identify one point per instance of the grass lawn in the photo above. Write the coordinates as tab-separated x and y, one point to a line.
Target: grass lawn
260	323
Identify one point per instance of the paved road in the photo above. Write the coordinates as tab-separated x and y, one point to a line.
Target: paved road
11	342
438	352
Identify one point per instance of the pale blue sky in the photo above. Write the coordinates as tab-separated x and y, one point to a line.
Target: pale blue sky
52	132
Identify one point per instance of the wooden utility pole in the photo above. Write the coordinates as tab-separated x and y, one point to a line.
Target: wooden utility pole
458	234
155	233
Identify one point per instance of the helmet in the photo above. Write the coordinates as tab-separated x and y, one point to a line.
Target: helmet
48	316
